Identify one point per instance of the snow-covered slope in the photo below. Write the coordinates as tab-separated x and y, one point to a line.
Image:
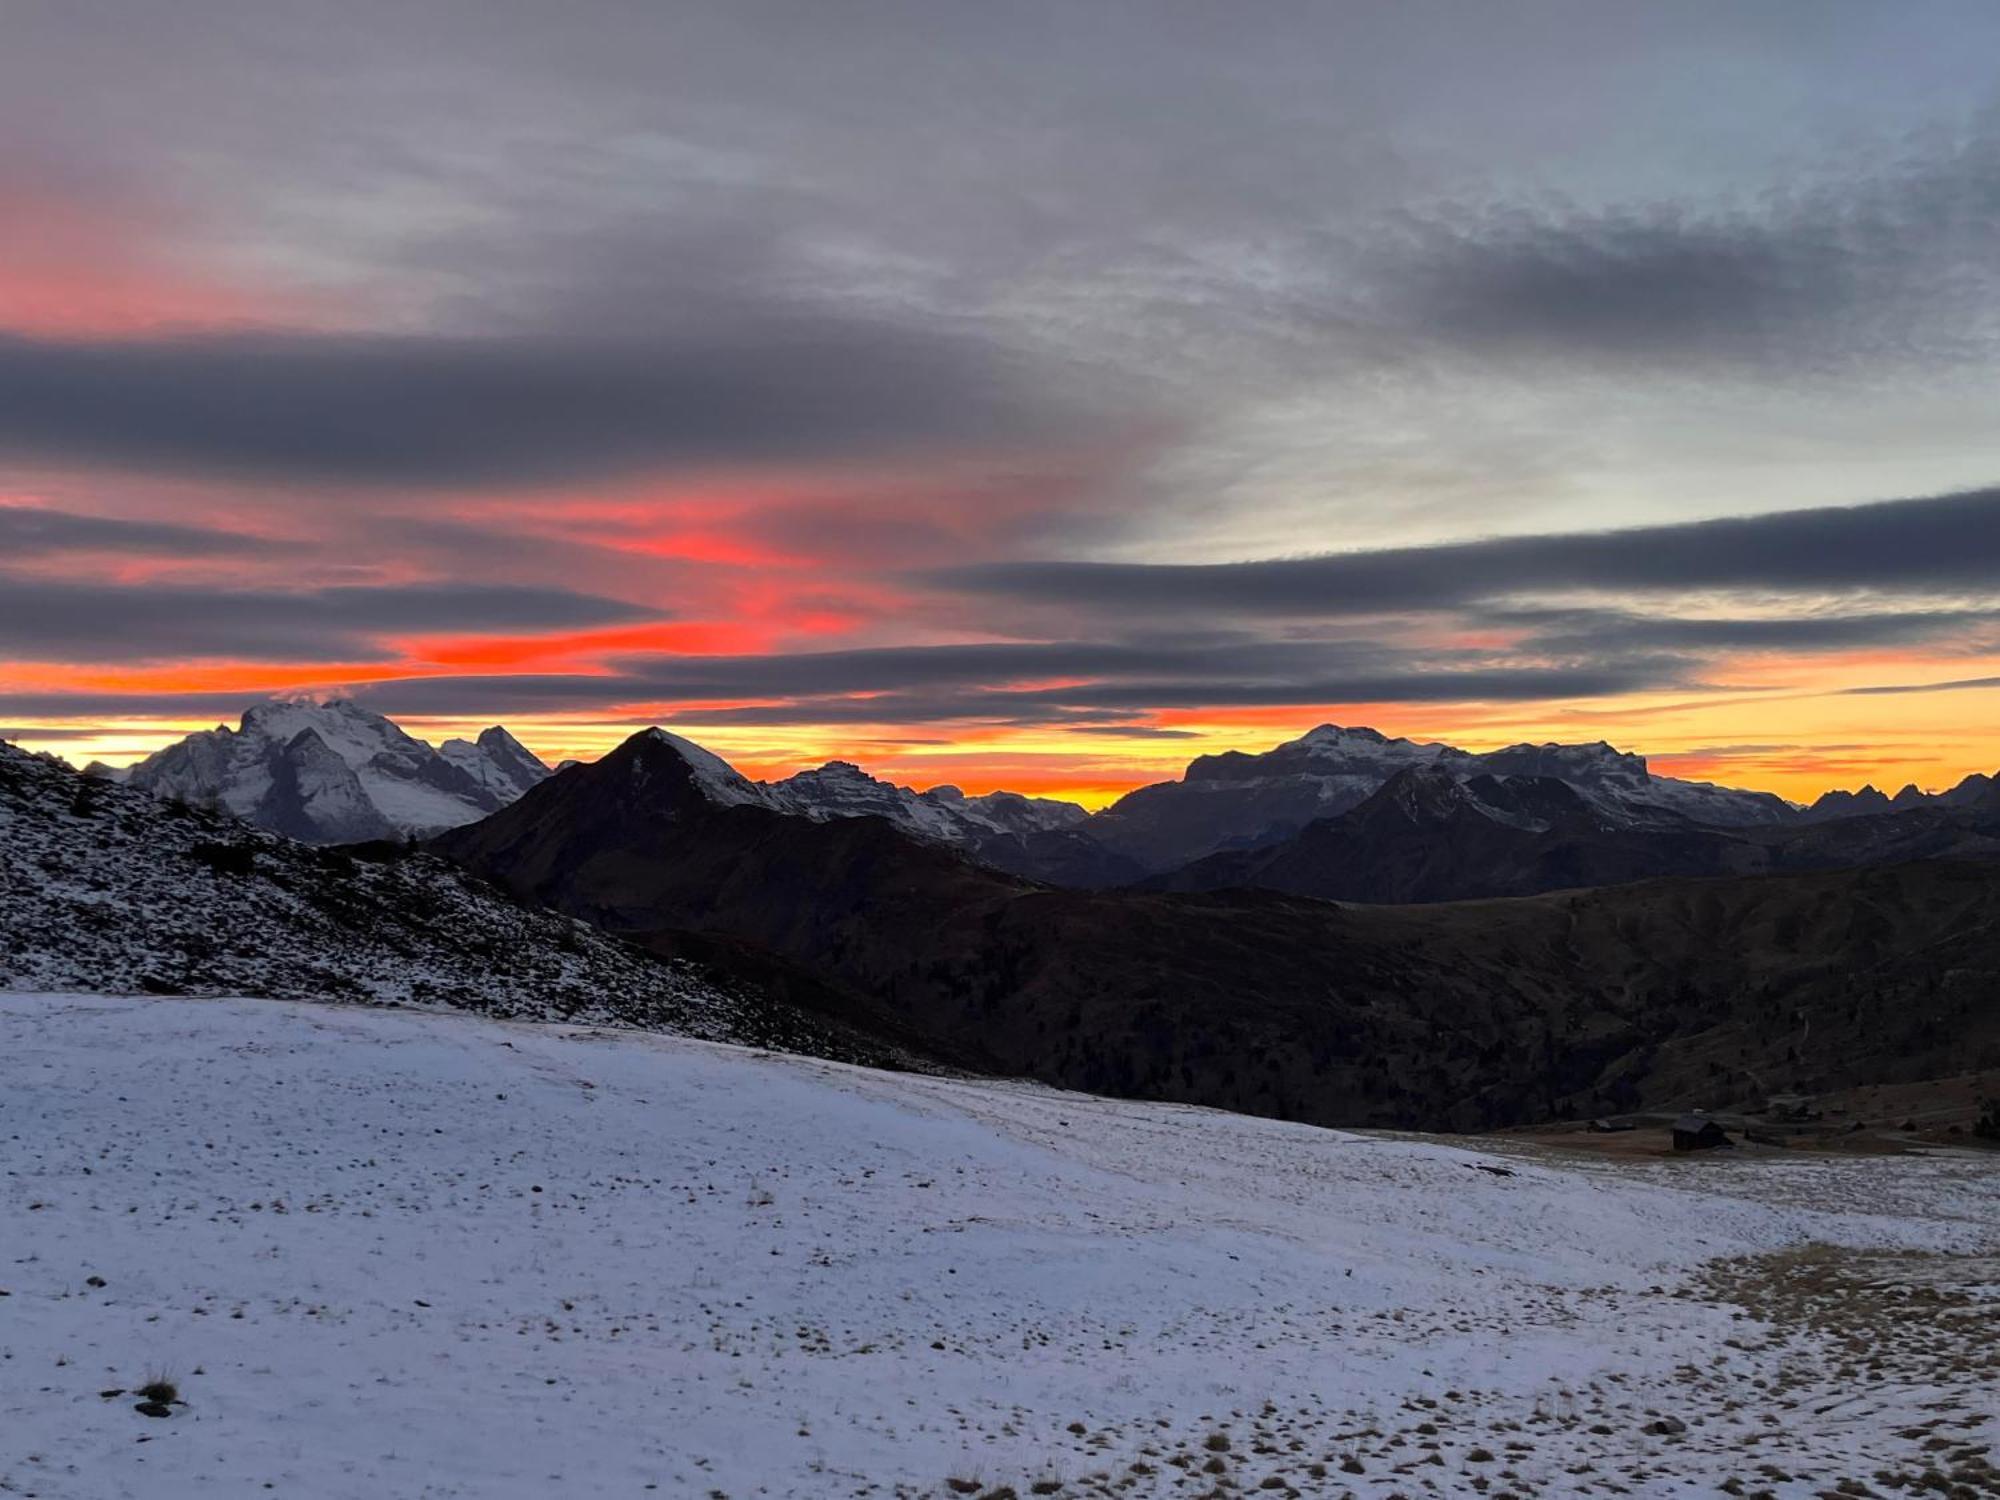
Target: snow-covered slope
103	887
716	778
385	1254
332	772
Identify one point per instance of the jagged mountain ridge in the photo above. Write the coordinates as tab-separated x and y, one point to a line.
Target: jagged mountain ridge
337	773
1976	790
334	773
1039	837
842	789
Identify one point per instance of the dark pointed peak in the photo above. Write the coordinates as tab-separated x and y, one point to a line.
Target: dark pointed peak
1866	799
659	750
1423	794
496	737
308	751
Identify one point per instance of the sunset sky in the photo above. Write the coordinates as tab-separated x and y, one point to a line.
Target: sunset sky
1010	394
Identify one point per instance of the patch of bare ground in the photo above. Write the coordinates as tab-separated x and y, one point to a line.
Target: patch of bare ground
1917	1326
1832	1372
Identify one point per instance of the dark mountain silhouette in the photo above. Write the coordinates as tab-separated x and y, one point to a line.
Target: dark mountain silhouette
1465	1015
1976	790
1426	836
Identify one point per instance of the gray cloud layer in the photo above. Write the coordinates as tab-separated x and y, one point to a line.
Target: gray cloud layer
1947	546
34	531
1953	686
58	620
1882	268
1935	545
433	411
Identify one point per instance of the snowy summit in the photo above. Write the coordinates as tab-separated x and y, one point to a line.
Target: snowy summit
334	773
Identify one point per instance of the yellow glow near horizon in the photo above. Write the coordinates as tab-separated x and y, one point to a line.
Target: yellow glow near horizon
1798	742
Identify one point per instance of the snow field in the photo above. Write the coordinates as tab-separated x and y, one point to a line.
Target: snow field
408	1254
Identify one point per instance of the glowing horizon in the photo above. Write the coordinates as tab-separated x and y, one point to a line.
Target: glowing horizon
1048	767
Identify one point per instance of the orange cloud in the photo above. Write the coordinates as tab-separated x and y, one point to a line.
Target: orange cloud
584	650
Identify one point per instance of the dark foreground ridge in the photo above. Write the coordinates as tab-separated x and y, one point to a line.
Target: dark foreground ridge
1462	1016
114	889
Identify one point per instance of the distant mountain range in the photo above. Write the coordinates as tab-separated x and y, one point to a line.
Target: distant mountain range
1240	801
1427	836
1528	818
1976	790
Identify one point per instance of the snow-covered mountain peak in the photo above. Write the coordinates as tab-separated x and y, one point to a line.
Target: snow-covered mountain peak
1321	734
841	789
1018	813
1340	737
714	777
1338	742
1234	800
497	761
332	771
344	726
839	773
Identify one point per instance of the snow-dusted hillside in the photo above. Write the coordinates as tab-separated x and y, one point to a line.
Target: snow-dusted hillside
334	773
390	1253
103	887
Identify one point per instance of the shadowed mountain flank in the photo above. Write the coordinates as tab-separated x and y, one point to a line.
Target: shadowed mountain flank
1461	1015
